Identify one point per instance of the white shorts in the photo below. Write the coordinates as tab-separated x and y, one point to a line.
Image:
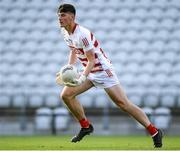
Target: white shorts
104	79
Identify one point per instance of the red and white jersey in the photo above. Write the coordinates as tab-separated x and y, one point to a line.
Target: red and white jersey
82	40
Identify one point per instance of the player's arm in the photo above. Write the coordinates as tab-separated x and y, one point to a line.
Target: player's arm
91	62
72	57
72	60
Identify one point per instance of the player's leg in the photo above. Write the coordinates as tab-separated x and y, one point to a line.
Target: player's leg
69	94
69	97
117	94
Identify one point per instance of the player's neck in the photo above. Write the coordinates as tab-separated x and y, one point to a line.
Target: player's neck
70	28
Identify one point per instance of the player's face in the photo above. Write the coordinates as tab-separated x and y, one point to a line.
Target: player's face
65	19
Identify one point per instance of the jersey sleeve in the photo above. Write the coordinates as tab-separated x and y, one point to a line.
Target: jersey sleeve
85	40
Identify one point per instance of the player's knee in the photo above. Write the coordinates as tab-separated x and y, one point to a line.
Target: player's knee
123	105
65	96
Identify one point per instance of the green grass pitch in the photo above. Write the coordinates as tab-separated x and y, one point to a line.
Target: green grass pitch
88	143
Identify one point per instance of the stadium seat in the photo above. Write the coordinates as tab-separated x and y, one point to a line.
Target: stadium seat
164	67
167	24
5	65
126	79
5	100
90	24
143	79
131	68
139	12
5	34
177	24
2	13
147	67
88	14
29	13
141	46
100	24
171	13
167	100
119	24
155	12
162	35
36	100
168	96
151	100
124	13
25	24
135	98
52	100
137	57
159	3
35	35
147	35
34	67
114	35
122	51
110	45
30	46
159	79
62	117
173	79
108	13
143	4
174	3
19	101
158	46
131	35
151	24
43	119
114	5
162	118
175	35
101	100
168	57
45	13
86	99
176	69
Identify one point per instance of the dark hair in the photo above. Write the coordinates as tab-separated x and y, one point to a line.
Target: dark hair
64	8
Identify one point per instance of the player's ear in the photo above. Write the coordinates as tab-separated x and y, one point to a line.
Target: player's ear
73	16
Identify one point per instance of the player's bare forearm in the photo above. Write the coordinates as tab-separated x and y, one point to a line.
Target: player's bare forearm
88	68
91	62
72	57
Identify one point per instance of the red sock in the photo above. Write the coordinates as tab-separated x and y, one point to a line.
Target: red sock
84	123
152	130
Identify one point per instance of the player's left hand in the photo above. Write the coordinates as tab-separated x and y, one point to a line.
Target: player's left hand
58	79
80	80
69	84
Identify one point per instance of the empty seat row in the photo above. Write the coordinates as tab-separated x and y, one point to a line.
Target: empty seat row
93	99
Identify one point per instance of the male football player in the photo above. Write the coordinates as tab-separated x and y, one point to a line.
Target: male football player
98	72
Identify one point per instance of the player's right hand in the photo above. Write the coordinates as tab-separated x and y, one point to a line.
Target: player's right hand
59	79
80	80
